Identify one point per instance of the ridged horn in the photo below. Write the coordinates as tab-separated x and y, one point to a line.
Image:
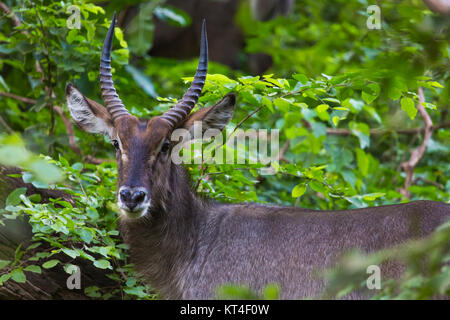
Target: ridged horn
109	94
181	110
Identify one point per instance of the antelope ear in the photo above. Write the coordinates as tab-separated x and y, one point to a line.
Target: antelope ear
88	114
214	117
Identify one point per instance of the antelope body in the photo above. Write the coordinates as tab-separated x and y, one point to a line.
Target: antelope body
186	246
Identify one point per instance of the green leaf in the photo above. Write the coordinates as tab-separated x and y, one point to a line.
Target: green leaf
13	198
4	263
85	235
33	268
92	213
4	277
322	113
275	165
266	102
349	177
142	80
102	264
77	166
119	35
362	131
3	83
271	292
46	172
300	77
436	84
318	187
298	190
93	292
319	129
409	107
13	155
71	253
18	276
372	196
40	103
73	35
50	264
354	105
363	162
332	101
36	198
173	16
373	113
90	28
282	104
396	88
335	120
138	291
370	92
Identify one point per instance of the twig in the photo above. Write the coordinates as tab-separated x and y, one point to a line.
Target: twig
94	160
417	153
202	175
242	121
8	11
283	151
67	123
6	126
16	97
412	131
69	129
436	184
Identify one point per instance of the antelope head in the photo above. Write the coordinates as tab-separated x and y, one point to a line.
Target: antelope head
143	146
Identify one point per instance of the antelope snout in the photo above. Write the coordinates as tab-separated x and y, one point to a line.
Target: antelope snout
133	201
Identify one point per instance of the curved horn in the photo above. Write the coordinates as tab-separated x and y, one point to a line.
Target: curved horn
112	101
179	112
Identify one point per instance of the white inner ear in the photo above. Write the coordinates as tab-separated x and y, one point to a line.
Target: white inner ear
218	118
83	115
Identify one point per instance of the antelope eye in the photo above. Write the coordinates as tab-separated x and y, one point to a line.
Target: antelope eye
165	146
116	144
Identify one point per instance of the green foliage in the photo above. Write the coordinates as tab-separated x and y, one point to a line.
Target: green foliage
427	275
330	74
233	292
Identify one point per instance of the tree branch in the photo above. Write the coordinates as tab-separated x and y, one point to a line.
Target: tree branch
6	126
69	129
438	6
375	131
67	123
8	12
242	121
283	151
16	97
417	153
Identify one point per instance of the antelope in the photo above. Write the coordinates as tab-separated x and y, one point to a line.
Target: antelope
185	246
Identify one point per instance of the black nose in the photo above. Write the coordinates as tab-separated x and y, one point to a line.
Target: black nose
132	197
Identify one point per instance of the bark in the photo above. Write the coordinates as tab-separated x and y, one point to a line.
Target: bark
51	284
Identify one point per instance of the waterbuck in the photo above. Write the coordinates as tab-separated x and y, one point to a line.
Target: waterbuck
186	246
